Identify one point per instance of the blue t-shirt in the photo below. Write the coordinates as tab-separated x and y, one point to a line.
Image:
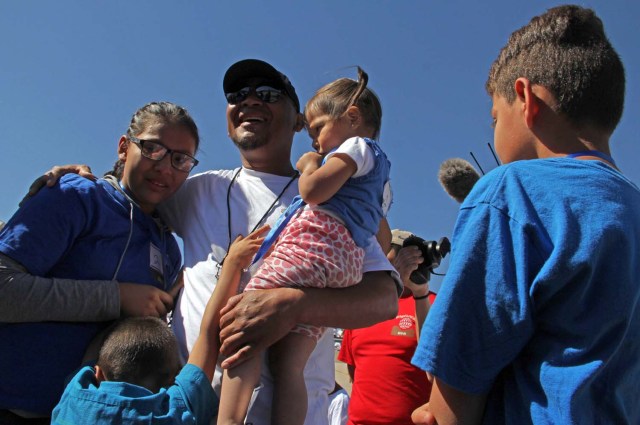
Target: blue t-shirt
77	229
540	304
191	400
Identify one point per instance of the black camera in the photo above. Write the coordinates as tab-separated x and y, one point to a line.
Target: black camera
433	252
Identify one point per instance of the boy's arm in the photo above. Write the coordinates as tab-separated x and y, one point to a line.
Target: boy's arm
206	348
318	183
449	406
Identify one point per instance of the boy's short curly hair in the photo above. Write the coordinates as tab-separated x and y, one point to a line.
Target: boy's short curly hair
566	51
136	349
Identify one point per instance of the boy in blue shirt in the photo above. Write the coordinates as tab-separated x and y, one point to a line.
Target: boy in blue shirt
538	319
134	380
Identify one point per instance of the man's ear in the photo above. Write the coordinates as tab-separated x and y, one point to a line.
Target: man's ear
100	376
530	102
123	147
299	125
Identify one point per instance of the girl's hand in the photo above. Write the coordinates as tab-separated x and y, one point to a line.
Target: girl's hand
143	300
242	250
310	161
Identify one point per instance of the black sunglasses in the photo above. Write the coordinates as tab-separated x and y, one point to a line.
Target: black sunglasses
264	93
156	151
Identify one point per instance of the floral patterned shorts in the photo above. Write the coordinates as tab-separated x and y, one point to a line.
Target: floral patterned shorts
314	251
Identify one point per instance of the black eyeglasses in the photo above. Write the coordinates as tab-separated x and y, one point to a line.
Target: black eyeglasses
264	93
156	151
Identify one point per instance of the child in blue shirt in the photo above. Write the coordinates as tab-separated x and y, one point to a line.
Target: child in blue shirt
136	378
538	318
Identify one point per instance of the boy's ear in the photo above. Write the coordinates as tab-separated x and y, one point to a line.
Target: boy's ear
123	146
100	377
529	100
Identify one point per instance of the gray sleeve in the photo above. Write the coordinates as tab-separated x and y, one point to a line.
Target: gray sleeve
28	298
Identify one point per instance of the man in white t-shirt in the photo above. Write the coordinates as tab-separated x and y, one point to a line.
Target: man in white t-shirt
213	207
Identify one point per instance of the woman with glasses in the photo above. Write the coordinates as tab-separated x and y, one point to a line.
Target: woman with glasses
82	253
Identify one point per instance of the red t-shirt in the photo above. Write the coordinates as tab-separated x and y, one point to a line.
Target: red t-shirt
386	387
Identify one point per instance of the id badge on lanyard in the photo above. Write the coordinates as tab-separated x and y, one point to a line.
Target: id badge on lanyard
156	264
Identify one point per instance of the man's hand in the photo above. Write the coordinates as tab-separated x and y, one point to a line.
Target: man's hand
423	416
52	176
254	320
144	300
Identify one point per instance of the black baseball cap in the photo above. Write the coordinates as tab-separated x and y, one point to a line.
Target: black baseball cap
238	73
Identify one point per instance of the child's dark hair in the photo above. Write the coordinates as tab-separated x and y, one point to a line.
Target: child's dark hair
157	113
566	51
336	97
136	349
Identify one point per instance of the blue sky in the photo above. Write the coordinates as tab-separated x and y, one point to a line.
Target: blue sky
73	72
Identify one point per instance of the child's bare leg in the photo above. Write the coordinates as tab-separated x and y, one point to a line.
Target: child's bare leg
237	388
287	359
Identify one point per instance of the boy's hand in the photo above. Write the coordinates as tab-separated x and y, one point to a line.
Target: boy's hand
423	416
52	176
310	161
242	250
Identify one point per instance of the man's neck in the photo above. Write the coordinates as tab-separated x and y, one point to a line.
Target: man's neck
283	168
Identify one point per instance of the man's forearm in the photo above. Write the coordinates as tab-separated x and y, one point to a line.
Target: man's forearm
371	301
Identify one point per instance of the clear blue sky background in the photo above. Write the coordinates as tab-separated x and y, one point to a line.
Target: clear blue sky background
73	72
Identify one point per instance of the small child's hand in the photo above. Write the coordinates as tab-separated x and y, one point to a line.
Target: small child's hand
243	249
310	160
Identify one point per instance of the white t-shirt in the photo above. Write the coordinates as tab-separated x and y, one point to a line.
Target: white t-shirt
199	214
339	407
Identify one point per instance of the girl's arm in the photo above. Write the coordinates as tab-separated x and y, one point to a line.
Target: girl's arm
205	350
318	183
33	242
73	300
50	299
